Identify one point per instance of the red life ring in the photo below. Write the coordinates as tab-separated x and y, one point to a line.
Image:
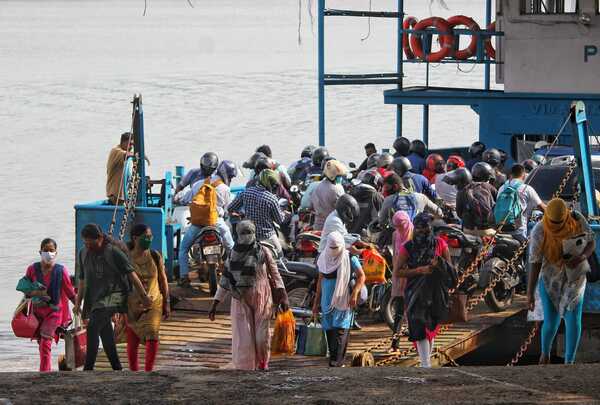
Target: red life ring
409	22
468	22
446	39
489	48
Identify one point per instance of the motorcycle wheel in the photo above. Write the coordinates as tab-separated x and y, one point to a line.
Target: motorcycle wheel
387	312
212	280
499	299
299	296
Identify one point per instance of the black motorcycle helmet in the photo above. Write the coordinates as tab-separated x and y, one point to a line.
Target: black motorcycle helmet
476	149
307	151
418	147
251	162
318	155
482	172
460	178
401	166
372	160
347	208
493	157
385	160
325	160
402	146
372	178
529	165
209	163
262	163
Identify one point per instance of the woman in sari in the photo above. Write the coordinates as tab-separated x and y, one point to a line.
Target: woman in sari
563	277
336	296
403	233
143	323
248	276
49	285
416	261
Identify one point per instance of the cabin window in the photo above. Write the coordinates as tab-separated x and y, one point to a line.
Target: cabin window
549	6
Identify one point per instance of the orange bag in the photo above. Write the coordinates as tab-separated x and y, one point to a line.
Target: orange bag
284	335
373	266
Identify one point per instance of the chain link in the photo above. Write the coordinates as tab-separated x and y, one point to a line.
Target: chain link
130	201
524	346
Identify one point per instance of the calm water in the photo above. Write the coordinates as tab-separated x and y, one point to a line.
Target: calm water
224	76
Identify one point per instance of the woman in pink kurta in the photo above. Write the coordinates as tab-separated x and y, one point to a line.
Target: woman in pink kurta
249	273
53	312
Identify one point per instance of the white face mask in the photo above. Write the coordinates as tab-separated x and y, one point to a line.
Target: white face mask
48	257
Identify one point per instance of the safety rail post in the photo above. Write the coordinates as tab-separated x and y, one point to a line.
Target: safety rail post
400	67
321	73
139	150
488	21
581	142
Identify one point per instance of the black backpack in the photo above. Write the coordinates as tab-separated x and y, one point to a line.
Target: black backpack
479	207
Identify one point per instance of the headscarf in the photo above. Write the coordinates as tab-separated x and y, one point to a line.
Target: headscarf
269	179
334	258
559	225
404	229
246	255
421	248
333	169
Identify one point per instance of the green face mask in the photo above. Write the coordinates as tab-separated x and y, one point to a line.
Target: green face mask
145	242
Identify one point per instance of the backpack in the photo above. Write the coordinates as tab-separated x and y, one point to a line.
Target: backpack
406	202
409	184
479	206
508	207
203	209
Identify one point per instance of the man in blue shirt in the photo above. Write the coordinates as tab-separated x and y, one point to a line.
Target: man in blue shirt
413	181
418	151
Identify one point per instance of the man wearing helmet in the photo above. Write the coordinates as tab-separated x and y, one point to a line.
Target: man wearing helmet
418	151
412	181
326	194
475	202
367	194
208	166
278	167
260	205
315	170
434	165
370	149
298	169
460	178
340	219
384	163
493	157
401	147
475	154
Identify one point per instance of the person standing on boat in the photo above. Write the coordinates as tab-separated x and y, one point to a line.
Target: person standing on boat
249	273
413	181
143	322
563	279
335	295
475	202
328	191
370	149
114	169
48	282
416	261
418	151
208	166
105	275
259	205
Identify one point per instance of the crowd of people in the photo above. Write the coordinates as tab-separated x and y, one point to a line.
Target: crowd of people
399	194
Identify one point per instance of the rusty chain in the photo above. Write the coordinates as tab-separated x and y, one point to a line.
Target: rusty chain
129	204
524	346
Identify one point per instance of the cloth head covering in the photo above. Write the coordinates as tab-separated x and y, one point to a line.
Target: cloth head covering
404	229
269	179
333	169
334	258
421	248
559	225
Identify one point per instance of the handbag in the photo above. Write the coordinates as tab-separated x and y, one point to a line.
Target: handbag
75	345
315	343
457	308
24	323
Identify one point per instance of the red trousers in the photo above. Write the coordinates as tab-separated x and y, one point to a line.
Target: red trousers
45	354
133	343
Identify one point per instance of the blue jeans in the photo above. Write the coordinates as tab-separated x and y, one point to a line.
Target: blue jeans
552	322
188	239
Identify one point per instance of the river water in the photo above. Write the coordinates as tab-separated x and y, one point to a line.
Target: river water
224	76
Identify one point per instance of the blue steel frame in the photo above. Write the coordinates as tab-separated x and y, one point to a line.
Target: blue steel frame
392	78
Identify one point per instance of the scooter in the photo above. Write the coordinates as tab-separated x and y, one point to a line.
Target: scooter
206	255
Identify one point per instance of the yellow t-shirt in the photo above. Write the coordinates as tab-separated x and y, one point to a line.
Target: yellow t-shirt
114	171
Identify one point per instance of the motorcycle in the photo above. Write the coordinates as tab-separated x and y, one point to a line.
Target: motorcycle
511	278
206	256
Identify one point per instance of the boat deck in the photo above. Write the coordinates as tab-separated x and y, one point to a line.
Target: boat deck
190	340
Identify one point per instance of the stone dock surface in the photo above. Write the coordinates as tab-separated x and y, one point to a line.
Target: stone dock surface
576	384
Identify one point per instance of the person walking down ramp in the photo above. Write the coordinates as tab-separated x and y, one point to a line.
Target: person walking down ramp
336	296
563	274
143	323
248	273
105	275
49	285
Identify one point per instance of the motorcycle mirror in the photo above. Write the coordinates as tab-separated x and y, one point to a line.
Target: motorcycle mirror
352	165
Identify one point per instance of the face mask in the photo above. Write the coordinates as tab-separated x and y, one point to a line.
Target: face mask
48	257
145	243
246	239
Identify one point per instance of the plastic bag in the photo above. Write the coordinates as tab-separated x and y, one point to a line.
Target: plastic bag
373	266
284	335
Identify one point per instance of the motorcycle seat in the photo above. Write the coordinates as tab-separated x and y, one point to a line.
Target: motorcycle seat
310	270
